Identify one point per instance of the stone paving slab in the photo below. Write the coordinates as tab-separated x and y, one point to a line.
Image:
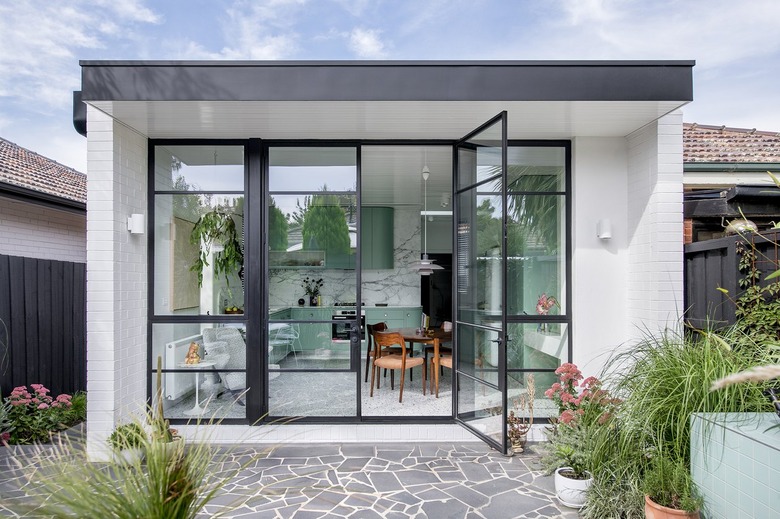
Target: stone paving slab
382	481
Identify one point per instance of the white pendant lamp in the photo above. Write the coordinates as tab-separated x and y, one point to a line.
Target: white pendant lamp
425	266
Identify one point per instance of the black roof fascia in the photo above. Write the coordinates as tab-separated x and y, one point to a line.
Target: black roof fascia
32	196
387	81
729	167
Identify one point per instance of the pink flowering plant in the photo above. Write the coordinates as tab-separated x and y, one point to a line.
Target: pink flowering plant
33	413
545	303
578	400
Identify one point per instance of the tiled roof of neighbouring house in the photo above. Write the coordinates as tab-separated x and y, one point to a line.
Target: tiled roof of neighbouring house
722	144
24	168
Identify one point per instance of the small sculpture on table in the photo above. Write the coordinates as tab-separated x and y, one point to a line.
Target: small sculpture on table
193	357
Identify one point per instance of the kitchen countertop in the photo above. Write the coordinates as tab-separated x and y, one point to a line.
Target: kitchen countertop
366	307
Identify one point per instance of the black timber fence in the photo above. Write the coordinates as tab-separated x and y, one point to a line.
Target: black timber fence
43	307
714	264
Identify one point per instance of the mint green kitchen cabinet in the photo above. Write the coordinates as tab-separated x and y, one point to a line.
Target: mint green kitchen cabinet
395	317
377	237
313	335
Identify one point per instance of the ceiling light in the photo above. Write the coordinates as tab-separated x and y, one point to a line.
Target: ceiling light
425	266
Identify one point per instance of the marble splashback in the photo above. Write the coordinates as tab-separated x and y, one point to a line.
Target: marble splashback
399	286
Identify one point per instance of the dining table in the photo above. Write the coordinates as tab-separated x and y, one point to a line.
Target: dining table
433	336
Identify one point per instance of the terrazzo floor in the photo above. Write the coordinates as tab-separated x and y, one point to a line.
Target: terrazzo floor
361	481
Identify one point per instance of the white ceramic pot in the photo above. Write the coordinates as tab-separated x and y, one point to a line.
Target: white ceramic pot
571	492
129	456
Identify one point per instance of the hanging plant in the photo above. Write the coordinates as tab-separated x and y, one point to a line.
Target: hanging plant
217	227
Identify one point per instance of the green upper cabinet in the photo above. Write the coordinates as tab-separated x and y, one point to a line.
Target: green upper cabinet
377	237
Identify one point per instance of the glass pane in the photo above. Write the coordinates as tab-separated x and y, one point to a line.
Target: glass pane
481	406
293	345
536	169
307	169
478	354
536	266
525	395
316	230
211	360
537	345
182	254
199	168
479	158
480	276
312	394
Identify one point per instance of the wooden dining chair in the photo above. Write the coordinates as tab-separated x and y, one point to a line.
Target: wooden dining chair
444	361
429	349
393	361
371	342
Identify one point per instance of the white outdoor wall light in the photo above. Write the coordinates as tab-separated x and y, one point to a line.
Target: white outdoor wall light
135	223
604	229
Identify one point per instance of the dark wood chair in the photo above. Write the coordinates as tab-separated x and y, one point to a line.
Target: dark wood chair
371	341
384	343
428	350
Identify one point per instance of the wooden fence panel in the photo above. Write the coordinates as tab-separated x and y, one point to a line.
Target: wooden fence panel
714	264
43	306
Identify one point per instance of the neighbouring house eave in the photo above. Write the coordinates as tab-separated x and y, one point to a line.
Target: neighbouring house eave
695	167
23	194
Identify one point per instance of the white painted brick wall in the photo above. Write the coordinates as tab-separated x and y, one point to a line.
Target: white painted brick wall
655	221
116	277
34	231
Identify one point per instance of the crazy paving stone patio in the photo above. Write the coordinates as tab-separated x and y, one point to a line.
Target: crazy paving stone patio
392	481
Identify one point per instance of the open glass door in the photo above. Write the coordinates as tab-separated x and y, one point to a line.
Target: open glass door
480	399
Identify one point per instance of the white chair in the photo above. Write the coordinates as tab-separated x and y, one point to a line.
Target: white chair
225	347
286	336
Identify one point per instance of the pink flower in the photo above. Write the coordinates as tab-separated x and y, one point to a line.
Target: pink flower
5	437
55	404
63	398
43	406
567	417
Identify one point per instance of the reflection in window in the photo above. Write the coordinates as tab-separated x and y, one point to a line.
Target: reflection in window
199	243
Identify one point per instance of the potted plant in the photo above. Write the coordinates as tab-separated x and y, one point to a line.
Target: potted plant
312	288
669	490
127	441
216	230
517	425
572	478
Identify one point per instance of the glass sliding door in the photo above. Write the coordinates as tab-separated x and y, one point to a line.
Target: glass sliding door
312	252
480	324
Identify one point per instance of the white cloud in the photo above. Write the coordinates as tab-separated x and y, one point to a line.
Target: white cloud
366	43
41	40
714	32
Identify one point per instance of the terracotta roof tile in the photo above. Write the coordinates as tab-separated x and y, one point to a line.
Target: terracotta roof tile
722	144
25	168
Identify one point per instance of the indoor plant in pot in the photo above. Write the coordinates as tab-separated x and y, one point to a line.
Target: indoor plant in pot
669	490
127	441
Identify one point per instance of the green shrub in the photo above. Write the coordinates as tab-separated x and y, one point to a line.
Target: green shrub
34	414
127	436
669	483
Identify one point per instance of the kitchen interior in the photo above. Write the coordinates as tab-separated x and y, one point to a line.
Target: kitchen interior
392	291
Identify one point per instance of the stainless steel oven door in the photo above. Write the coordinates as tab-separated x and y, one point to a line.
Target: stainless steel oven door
342	327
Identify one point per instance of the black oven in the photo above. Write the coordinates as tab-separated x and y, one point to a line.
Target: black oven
342	324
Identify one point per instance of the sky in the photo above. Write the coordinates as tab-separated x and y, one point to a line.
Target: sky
735	43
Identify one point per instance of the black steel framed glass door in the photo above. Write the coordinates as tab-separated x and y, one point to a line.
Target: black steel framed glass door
480	398
312	285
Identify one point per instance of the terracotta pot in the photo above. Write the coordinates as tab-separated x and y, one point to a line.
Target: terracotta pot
571	492
655	511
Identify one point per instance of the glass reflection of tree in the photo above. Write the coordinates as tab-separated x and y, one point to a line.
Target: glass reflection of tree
277	228
325	225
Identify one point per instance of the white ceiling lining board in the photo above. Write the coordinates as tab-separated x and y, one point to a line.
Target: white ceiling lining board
381	119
